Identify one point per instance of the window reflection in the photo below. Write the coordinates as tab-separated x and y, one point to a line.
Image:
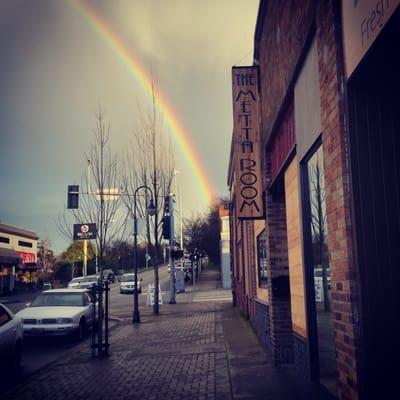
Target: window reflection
318	229
262	259
318	247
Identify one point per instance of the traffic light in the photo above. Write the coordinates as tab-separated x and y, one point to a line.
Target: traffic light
166	205
166	227
73	197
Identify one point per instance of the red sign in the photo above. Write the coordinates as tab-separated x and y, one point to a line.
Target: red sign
27	257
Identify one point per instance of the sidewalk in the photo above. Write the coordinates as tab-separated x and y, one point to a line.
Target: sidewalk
198	350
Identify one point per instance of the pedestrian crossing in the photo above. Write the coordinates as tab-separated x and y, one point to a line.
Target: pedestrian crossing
213	296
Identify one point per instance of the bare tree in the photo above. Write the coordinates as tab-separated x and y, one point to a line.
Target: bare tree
150	162
318	225
99	200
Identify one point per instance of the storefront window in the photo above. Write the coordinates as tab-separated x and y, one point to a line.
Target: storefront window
262	259
319	262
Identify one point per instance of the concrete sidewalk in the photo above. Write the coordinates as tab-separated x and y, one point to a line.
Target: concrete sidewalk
198	350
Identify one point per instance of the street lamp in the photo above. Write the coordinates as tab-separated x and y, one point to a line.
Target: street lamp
151	210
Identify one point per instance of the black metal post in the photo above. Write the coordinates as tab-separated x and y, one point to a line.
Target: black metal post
136	315
106	344
94	328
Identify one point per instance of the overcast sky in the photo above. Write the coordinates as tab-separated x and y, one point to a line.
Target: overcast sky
55	70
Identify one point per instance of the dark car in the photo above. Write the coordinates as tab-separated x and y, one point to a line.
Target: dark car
109	275
11	339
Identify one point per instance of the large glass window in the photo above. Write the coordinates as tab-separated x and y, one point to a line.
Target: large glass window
318	262
262	259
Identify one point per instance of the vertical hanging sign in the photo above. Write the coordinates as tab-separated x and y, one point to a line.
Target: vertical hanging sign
246	138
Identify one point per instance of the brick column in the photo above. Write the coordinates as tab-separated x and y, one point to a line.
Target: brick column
280	321
338	206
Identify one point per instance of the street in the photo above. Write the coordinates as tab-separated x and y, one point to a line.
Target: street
39	352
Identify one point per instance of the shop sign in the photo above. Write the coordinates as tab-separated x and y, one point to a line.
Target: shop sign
27	257
362	22
246	138
85	231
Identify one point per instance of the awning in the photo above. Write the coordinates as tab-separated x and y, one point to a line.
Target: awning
9	256
30	266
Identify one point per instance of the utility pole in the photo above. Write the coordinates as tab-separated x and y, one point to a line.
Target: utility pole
178	192
171	248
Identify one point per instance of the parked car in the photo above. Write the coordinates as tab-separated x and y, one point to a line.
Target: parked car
109	275
59	312
83	282
11	339
75	282
127	284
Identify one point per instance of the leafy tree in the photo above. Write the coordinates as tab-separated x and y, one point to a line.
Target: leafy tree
202	232
46	258
73	257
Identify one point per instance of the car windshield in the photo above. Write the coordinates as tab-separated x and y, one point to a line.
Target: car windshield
89	279
76	280
128	278
58	299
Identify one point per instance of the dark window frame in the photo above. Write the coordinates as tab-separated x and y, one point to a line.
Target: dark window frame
4	239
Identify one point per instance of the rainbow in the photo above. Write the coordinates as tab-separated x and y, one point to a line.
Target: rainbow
141	75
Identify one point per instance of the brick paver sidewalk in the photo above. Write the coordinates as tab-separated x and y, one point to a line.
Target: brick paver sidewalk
200	350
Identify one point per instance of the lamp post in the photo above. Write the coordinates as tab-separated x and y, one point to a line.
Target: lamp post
151	210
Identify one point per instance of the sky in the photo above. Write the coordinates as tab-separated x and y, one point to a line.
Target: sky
57	69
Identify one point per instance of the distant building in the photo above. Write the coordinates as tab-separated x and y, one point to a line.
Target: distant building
225	253
18	257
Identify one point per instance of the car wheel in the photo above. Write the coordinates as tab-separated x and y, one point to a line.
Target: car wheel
80	333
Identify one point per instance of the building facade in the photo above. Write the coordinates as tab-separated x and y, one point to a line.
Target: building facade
18	257
317	275
225	248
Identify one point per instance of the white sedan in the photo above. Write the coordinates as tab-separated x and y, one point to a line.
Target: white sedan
127	284
11	339
59	312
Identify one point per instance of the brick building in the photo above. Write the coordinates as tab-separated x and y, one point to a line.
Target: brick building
18	257
317	273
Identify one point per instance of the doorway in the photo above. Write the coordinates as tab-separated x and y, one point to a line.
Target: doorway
374	137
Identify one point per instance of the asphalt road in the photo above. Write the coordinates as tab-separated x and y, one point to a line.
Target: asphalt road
39	352
121	303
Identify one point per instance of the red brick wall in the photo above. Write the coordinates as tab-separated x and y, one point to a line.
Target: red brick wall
285	31
280	322
252	269
344	286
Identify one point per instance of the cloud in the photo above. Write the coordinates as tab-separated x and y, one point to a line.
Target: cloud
188	34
